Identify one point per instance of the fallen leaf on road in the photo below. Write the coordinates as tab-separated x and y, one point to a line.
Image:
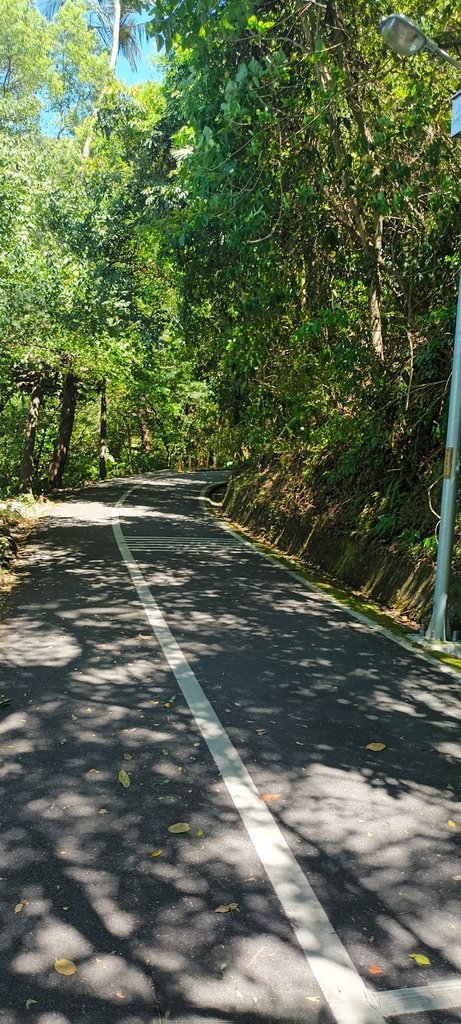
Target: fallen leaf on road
124	778
127	756
74	718
181	826
226	907
199	832
261	732
156	853
120	995
420	959
104	810
451	824
20	906
196	744
30	1002
255	958
167	705
375	970
66	967
268	797
376	746
457	878
313	999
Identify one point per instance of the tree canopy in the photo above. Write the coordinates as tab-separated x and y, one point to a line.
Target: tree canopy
255	259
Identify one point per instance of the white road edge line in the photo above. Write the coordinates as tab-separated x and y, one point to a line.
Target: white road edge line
440	995
373	627
443	995
338	979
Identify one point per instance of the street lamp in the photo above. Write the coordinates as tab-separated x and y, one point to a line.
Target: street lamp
406	38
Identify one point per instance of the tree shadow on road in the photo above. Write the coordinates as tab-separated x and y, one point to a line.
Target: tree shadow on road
301	690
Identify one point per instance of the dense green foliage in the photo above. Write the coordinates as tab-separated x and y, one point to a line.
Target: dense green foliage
257	259
318	241
88	317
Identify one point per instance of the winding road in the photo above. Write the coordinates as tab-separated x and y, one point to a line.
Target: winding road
307	870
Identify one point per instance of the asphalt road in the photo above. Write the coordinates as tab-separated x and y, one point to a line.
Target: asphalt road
146	637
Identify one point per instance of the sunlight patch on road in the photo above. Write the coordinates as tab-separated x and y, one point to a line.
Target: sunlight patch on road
329	961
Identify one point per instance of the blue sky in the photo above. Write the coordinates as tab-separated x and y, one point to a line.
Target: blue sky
144	70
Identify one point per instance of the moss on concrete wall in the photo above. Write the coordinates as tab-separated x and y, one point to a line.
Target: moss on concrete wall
284	511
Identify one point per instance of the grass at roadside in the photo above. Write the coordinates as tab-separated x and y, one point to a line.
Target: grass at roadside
18	517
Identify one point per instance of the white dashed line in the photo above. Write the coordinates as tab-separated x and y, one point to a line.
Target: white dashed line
331	965
345	992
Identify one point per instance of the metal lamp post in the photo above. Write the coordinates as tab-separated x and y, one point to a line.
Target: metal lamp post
406	38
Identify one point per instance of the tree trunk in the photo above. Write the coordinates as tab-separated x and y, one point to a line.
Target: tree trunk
374	288
374	306
112	63
26	471
146	437
38	453
130	447
115	34
62	443
103	433
369	238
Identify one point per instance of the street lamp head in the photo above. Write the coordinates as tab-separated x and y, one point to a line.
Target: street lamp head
402	35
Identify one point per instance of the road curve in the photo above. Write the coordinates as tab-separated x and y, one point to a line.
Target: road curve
145	637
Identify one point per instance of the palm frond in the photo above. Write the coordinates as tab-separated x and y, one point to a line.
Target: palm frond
101	19
101	16
50	7
132	36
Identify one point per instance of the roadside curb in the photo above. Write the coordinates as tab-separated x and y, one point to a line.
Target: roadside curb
447	663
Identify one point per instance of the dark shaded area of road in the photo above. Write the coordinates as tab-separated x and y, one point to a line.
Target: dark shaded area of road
301	688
